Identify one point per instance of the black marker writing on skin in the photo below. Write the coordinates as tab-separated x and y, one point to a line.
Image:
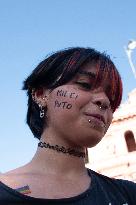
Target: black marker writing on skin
72	95
62	104
62	93
65	93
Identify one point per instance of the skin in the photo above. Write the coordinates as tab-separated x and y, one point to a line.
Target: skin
68	126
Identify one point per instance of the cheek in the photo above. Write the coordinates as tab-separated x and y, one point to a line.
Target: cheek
110	117
63	100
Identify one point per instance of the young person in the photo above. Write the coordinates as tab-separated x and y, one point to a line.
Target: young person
72	96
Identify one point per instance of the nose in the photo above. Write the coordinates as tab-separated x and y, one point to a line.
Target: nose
102	101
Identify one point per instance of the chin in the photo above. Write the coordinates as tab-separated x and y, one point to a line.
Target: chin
93	140
89	141
93	144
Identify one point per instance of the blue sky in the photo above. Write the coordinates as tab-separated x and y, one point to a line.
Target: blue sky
29	30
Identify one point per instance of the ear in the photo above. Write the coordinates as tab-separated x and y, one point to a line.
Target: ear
40	96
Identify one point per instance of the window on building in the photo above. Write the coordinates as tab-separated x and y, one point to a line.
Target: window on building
130	141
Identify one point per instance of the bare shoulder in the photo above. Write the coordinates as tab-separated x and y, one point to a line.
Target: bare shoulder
13	178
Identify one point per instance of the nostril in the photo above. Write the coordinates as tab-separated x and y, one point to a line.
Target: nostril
102	105
98	103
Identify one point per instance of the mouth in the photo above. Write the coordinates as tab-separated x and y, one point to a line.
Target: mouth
97	116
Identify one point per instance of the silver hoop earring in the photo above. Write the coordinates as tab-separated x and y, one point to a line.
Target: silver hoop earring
42	113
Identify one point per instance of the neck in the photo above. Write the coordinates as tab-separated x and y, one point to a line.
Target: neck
49	161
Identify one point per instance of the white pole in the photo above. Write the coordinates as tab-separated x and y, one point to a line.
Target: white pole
131	46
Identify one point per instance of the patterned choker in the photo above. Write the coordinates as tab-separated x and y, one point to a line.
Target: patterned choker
62	149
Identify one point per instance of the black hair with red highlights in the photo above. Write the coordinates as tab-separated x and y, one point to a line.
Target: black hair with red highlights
59	68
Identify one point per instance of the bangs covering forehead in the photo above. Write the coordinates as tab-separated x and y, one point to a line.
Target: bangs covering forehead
106	71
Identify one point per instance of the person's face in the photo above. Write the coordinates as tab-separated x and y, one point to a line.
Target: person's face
78	113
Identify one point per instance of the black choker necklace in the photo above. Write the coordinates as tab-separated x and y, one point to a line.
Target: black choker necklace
62	149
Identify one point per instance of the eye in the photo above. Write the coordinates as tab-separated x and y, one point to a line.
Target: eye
84	85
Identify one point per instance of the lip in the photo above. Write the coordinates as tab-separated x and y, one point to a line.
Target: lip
98	116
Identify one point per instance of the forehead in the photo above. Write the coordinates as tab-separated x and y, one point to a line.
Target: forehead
89	68
97	75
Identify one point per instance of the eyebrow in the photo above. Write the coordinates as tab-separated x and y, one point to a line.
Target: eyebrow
89	74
